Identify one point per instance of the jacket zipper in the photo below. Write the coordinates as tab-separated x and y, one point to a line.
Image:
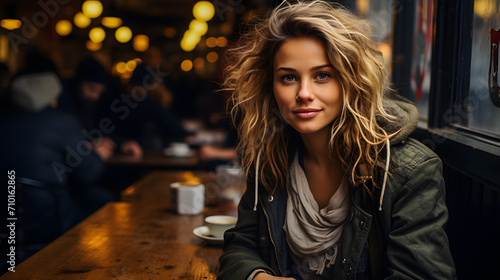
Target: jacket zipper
270	235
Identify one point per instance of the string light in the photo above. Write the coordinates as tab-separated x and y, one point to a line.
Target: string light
212	57
198	26
81	20
10	24
97	34
189	41
111	22
123	34
221	42
91	46
140	43
211	42
186	65
92	8
63	27
203	10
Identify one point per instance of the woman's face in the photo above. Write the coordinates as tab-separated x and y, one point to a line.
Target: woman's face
91	91
306	89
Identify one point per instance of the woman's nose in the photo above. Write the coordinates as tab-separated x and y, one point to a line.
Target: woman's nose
305	92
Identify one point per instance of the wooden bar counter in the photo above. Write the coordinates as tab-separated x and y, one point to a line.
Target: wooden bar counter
141	239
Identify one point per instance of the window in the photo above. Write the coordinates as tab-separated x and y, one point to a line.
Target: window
482	108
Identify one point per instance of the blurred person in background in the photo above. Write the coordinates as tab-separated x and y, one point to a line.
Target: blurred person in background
149	117
224	154
47	145
83	98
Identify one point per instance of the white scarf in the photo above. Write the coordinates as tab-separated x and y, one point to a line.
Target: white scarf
312	233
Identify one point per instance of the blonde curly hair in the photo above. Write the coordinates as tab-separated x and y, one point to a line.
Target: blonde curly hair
355	135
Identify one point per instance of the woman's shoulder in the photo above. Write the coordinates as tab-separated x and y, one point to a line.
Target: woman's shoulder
410	155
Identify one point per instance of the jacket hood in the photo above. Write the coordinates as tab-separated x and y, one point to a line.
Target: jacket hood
406	118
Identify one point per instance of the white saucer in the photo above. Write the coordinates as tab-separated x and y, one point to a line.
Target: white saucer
168	152
203	233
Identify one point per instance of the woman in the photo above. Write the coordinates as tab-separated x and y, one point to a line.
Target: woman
336	190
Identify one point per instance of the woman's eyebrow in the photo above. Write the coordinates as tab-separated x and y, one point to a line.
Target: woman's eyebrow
321	66
286	69
312	68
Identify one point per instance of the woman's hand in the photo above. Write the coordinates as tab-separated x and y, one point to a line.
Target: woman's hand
265	276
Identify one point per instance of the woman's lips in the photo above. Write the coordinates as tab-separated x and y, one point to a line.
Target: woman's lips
306	113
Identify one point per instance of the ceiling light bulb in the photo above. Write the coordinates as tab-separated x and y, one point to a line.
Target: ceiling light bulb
123	34
203	10
81	20
92	8
97	34
63	27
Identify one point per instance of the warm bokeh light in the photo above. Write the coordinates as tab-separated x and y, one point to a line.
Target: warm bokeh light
221	42
203	10
141	43
4	47
198	26
97	34
189	41
363	7
81	20
385	49
10	24
92	8
199	63
123	34
64	27
187	46
170	32
212	57
186	65
121	67
211	42
91	46
111	22
130	65
484	8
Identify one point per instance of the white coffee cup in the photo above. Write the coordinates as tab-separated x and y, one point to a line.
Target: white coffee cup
187	198
179	149
218	224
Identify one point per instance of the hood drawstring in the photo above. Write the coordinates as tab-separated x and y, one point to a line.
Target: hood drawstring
257	181
387	159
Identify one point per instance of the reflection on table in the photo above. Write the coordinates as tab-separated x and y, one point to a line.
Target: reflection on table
141	239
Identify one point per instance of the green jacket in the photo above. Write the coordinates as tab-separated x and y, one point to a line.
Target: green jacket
411	223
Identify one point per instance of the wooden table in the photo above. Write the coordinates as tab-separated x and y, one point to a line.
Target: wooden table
154	188
140	239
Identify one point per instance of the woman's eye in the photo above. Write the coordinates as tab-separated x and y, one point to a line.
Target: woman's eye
288	78
322	76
